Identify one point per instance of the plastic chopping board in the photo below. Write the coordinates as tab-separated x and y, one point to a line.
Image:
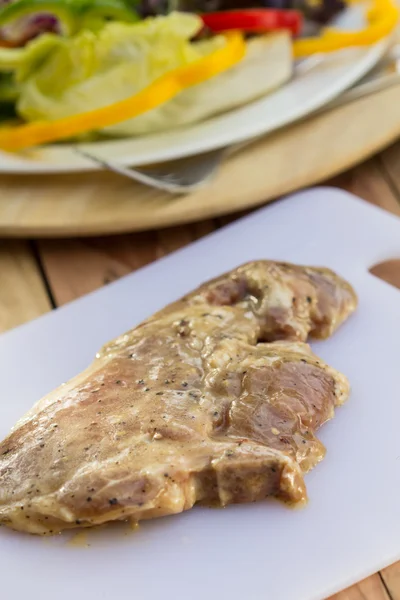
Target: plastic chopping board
265	551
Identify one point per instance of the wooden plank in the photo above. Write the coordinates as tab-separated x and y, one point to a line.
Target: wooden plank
390	162
22	291
77	267
171	239
371	588
391	577
370	182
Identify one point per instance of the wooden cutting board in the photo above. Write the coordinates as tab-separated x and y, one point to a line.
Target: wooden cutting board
301	155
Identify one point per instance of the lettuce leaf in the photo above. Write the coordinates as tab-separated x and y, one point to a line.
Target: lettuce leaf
97	68
8	88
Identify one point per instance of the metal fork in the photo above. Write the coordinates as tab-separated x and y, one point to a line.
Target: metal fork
187	175
176	177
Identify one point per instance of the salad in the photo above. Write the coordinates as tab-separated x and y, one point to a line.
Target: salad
70	69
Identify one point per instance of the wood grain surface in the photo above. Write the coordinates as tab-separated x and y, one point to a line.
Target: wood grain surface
301	155
36	276
22	289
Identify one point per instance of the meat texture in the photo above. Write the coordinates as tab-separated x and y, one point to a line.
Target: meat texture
214	399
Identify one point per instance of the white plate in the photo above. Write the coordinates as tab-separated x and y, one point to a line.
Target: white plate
263	551
307	91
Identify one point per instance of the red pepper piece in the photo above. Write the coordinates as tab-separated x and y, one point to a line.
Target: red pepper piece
254	20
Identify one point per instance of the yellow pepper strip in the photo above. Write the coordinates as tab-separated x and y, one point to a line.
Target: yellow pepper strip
382	19
160	91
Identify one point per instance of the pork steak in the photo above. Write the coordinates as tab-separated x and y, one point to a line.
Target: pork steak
214	399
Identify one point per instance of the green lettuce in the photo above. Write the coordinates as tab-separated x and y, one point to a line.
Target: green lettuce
59	77
8	88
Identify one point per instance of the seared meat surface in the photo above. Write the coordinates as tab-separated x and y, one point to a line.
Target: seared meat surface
214	399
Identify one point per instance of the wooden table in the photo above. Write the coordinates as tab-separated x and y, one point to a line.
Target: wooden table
37	276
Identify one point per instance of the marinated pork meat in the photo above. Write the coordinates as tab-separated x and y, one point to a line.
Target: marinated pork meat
214	399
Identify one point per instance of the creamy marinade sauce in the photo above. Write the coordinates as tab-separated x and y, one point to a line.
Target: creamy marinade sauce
215	399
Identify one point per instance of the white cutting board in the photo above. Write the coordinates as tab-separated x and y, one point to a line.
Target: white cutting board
265	551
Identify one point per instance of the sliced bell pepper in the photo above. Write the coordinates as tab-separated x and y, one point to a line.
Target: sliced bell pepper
254	20
382	19
160	91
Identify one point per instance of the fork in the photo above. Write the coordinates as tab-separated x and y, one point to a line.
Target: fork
186	175
176	177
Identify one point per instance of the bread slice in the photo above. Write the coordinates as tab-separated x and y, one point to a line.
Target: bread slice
268	64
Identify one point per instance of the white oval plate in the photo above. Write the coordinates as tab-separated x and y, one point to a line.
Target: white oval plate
307	91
